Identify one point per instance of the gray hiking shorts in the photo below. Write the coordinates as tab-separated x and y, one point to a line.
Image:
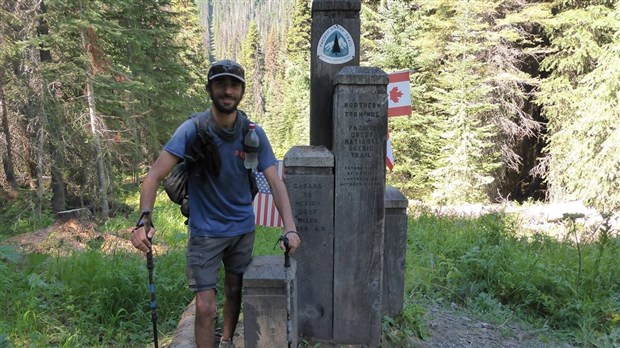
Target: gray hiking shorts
205	255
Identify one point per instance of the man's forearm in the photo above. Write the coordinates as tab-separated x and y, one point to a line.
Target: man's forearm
283	204
148	192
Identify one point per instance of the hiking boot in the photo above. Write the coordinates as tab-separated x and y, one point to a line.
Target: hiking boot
226	344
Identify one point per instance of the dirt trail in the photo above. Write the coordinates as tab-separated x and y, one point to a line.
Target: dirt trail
455	328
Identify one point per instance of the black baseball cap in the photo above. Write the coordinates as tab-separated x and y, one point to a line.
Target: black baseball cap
226	67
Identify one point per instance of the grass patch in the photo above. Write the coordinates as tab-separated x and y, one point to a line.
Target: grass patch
487	265
92	299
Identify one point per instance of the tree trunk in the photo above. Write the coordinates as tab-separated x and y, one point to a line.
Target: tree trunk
59	196
7	159
92	114
41	139
58	180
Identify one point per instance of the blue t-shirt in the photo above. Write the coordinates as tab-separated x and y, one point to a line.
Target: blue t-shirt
222	206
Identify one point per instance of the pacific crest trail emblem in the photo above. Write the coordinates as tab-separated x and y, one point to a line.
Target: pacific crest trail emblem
336	45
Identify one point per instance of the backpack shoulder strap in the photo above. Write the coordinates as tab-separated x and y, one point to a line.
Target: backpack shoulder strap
200	120
246	122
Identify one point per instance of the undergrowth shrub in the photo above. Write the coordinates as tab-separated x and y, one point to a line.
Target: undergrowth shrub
489	262
405	329
19	215
92	299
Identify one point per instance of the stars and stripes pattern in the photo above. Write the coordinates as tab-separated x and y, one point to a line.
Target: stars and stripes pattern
389	155
265	211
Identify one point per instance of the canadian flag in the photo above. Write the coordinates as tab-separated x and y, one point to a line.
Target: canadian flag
399	94
399	104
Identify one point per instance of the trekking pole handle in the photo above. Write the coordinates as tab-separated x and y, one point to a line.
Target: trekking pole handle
142	223
287	258
287	248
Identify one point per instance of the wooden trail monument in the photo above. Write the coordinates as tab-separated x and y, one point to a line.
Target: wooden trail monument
338	193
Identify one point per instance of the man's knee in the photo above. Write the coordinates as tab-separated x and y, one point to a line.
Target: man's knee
233	284
206	306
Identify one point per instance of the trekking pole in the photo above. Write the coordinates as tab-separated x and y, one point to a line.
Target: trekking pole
287	275
150	265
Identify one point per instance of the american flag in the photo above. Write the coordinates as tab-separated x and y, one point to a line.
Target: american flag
264	206
389	156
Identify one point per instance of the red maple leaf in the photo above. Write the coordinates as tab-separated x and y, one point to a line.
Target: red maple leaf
395	94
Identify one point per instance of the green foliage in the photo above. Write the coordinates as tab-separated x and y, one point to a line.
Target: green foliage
488	265
19	215
404	330
252	60
467	95
474	75
298	36
387	35
93	298
492	82
90	299
142	62
273	88
580	100
224	39
267	241
288	117
291	119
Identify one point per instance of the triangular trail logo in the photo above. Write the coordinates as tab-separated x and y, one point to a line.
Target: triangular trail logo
336	45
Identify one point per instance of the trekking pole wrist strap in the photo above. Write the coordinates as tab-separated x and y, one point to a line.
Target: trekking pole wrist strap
145	215
289	232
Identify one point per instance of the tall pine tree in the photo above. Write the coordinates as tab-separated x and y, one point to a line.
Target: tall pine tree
580	100
251	58
293	115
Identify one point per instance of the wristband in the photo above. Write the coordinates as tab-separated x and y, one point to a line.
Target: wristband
289	232
140	222
284	239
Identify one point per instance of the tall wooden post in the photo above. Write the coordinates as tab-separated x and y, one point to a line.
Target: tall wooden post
310	182
335	44
360	129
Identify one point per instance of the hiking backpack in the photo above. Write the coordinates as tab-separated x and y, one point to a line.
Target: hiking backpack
176	183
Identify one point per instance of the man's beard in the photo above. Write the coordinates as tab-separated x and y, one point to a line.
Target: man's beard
223	108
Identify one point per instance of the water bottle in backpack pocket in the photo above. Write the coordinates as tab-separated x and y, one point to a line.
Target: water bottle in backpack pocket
250	146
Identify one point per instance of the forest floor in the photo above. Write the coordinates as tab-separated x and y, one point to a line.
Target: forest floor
71	235
450	327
